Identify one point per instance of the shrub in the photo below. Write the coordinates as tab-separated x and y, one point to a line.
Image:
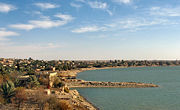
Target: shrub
41	98
64	105
58	83
43	81
8	91
17	83
20	96
55	104
32	82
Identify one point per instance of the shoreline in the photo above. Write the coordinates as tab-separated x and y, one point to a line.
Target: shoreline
75	72
85	99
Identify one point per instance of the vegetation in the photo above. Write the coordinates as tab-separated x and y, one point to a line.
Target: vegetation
55	104
16	75
30	66
50	103
20	96
7	91
58	83
32	82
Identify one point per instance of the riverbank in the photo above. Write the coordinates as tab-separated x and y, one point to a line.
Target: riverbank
75	100
77	83
74	72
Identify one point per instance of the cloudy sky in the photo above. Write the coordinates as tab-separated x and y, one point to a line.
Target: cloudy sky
90	29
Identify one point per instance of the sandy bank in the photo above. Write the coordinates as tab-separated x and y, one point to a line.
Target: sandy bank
76	71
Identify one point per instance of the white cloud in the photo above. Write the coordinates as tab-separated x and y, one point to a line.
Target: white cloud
94	4
39	14
127	24
171	12
64	17
135	24
7	33
4	34
44	23
75	5
123	1
46	5
100	5
97	4
22	26
89	29
5	8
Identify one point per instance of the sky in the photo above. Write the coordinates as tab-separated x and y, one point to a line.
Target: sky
90	29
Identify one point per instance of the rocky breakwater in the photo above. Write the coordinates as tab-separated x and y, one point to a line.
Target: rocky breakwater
81	83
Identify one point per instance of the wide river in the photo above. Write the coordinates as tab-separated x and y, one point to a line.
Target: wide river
165	97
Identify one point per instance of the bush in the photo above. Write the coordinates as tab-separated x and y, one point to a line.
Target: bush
41	98
55	104
17	83
64	105
32	82
43	81
20	96
8	91
58	83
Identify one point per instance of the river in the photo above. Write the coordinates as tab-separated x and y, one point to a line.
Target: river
165	97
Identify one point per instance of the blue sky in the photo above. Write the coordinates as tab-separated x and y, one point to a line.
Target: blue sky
90	29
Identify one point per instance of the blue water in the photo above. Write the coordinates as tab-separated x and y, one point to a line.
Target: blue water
166	97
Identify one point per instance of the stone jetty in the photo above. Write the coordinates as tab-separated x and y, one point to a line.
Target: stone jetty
73	83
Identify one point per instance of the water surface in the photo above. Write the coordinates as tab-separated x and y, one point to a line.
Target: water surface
166	97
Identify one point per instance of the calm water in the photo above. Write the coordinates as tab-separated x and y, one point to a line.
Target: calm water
166	97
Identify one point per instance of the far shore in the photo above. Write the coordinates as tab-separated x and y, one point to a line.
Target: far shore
74	72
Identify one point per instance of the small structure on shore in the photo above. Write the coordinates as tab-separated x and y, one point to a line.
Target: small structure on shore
52	76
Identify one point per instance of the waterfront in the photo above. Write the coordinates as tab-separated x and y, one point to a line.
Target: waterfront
166	97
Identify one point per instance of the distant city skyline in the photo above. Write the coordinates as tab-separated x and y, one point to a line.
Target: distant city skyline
90	29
